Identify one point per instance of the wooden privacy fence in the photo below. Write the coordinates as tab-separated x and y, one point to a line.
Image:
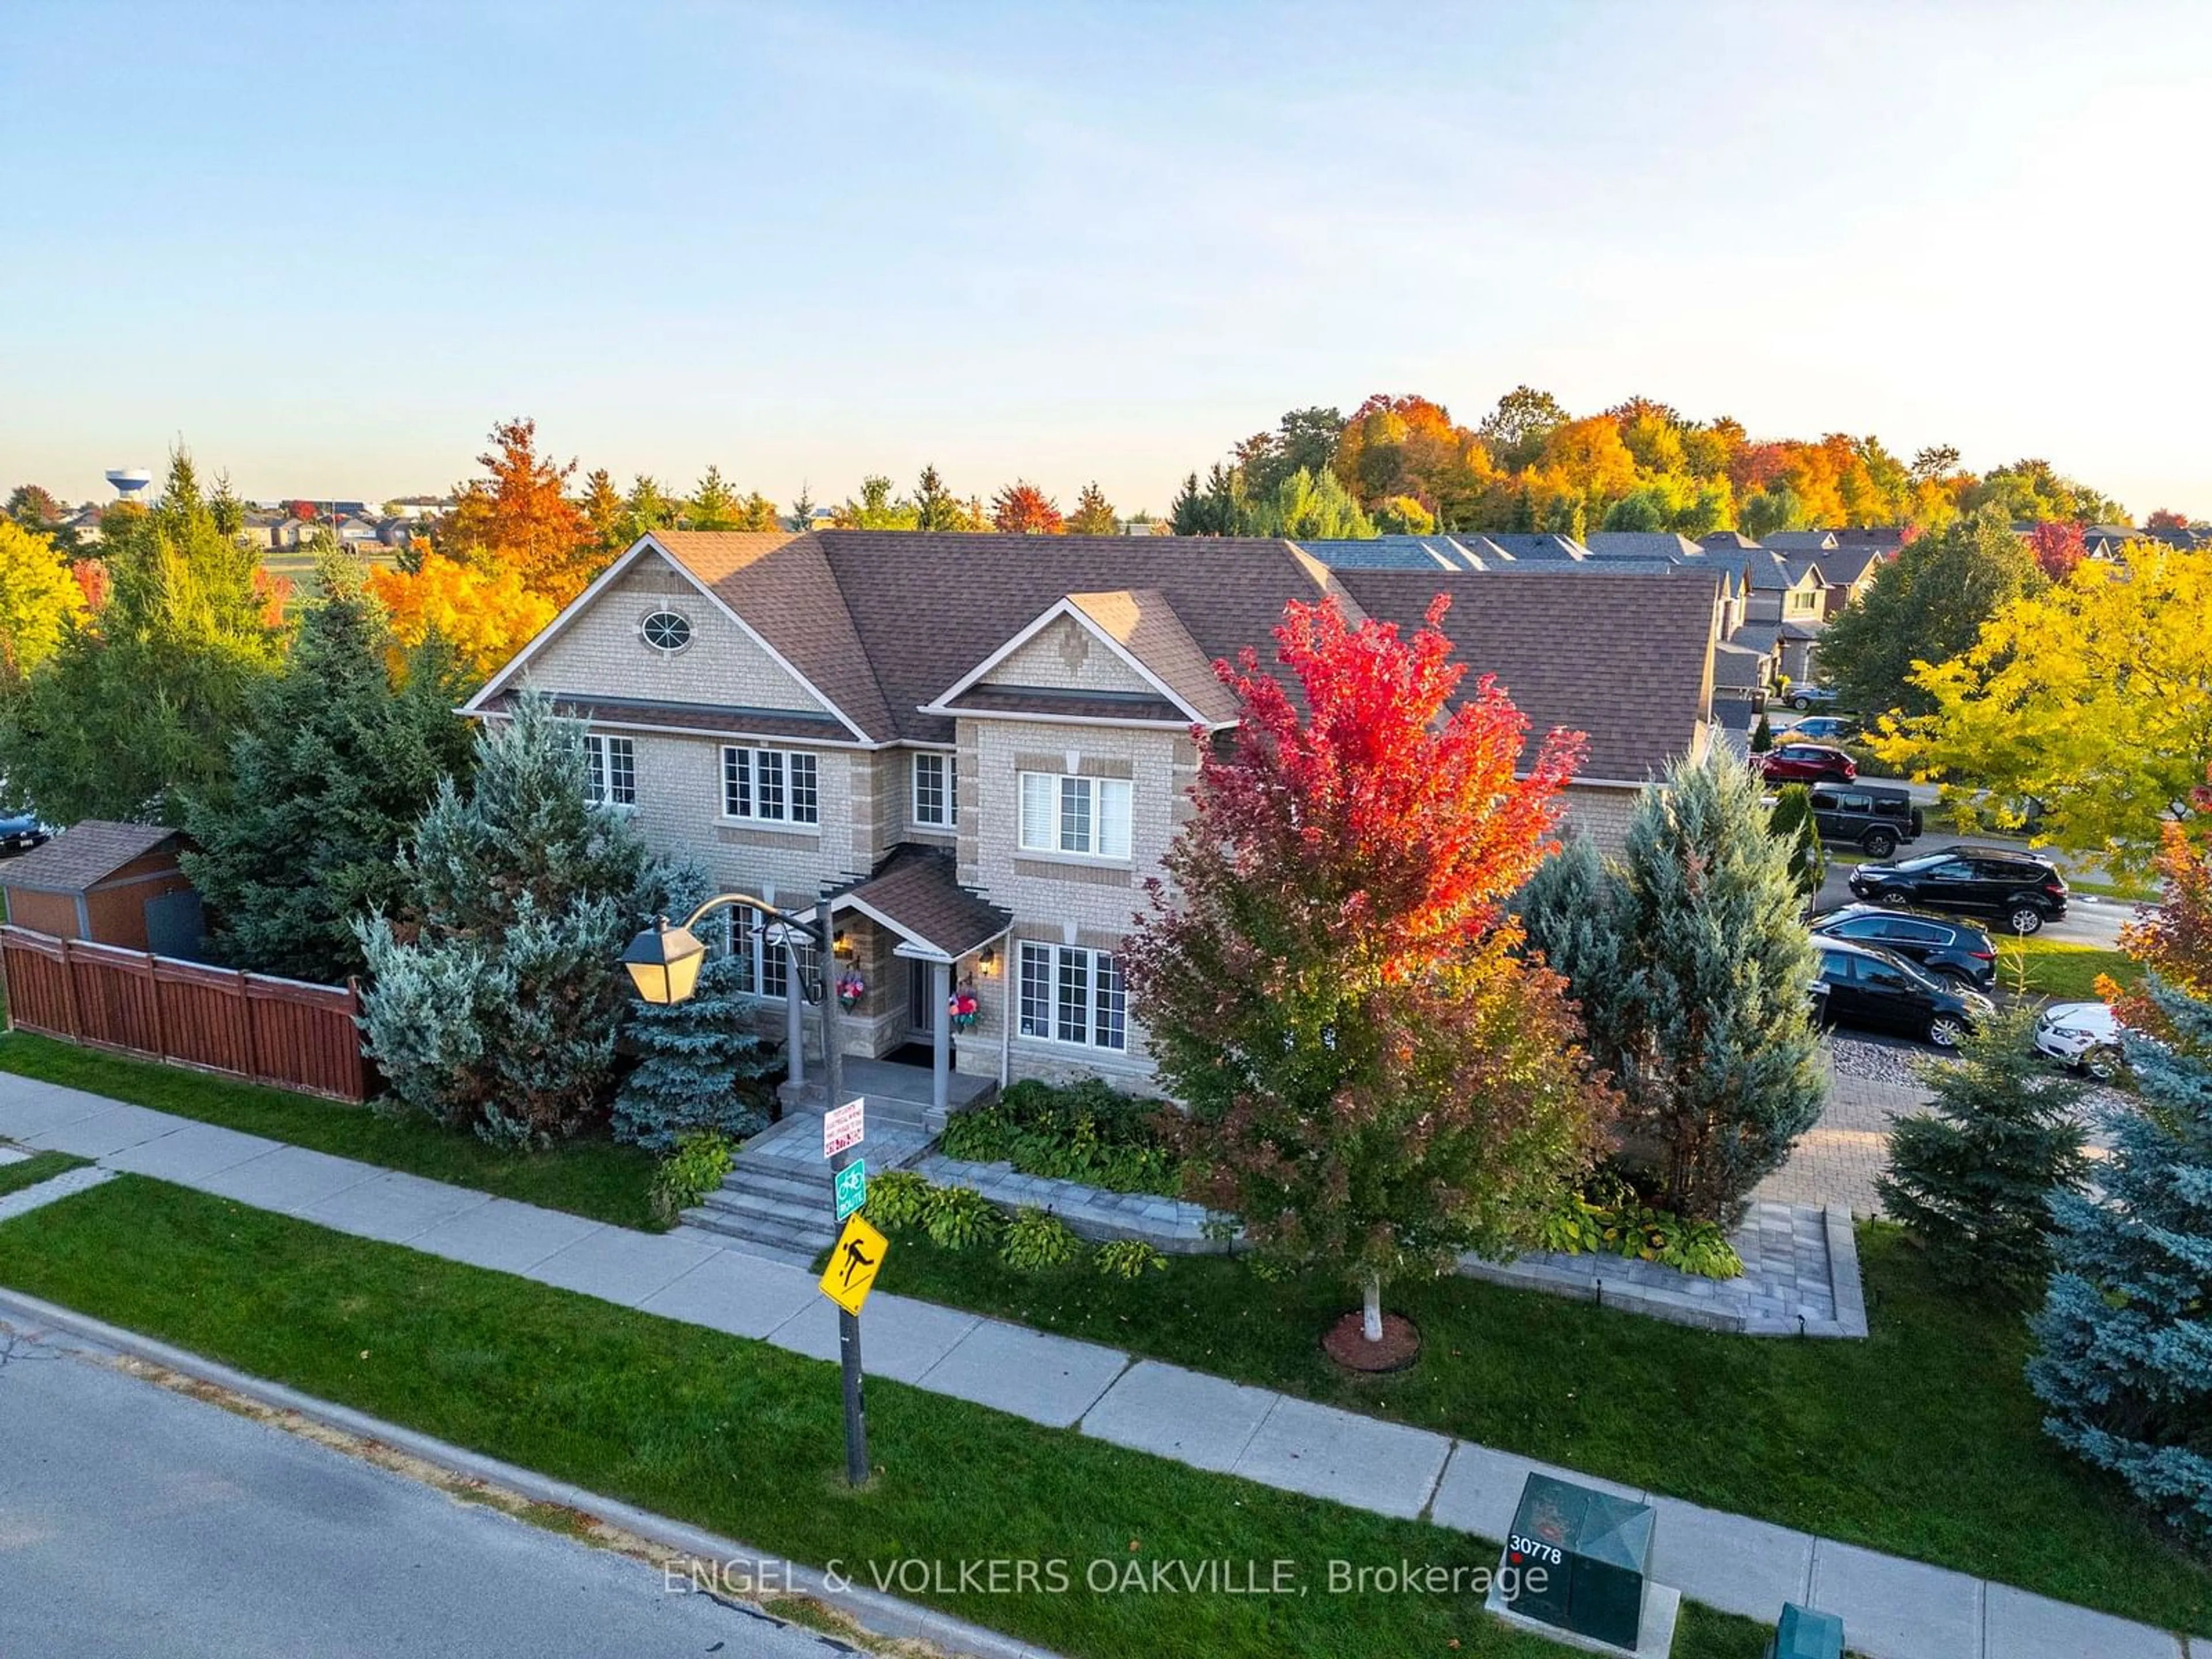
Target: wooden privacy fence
281	1031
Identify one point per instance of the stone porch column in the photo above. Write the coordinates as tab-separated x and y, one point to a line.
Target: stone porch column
940	1031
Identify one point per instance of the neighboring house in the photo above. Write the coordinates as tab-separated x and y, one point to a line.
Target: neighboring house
1848	571
979	747
1787	600
109	883
1400	553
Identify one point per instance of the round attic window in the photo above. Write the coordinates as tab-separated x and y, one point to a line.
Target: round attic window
666	630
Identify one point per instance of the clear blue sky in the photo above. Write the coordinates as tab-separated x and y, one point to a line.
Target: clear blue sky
329	244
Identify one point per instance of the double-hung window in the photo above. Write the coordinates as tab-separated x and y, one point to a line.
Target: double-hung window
613	770
1068	994
770	786
1086	816
936	782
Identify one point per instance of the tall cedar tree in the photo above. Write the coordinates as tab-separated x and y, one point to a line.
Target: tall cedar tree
520	517
1794	825
1971	1179
1329	978
496	998
335	766
1696	1003
137	705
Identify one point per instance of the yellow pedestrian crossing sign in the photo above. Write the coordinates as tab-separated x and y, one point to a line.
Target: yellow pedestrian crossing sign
854	1265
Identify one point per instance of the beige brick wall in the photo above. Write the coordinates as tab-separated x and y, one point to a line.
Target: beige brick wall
1067	656
1601	813
601	650
1055	900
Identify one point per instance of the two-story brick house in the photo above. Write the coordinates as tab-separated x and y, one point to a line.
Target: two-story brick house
975	749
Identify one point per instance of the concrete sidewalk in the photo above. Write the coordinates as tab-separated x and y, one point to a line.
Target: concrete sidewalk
1892	1609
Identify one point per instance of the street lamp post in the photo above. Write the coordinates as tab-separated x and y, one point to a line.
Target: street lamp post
664	964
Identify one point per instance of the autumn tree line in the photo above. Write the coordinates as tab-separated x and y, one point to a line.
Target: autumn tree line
1401	465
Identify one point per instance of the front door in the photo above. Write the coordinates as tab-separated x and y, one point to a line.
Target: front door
920	1014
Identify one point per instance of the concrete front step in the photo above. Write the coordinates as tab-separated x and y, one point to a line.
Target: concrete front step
738	1232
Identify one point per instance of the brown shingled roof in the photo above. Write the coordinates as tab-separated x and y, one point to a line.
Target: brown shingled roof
83	855
884	622
916	892
1626	660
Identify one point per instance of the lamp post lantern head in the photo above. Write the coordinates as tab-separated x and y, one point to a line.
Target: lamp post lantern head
664	963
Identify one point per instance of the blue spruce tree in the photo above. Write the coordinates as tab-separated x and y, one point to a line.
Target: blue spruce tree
2124	1363
698	1067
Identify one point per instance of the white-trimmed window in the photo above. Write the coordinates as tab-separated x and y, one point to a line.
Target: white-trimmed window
936	783
1804	598
613	769
770	786
764	969
1068	994
1086	816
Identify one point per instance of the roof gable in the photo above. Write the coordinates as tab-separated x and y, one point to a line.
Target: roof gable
1123	648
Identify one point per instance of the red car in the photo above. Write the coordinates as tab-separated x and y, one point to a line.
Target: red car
1807	763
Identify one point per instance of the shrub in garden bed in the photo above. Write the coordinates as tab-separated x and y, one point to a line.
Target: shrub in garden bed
1086	1133
1608	1218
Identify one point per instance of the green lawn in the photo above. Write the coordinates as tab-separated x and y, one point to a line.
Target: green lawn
1921	1441
40	1166
746	1439
593	1178
2058	969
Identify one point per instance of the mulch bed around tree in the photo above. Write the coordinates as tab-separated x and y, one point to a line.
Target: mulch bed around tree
1347	1344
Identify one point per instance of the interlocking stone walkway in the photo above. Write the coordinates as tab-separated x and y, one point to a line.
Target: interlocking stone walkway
1837	1159
1892	1609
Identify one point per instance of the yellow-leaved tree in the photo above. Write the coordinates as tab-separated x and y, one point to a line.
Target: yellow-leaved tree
485	615
2091	698
39	597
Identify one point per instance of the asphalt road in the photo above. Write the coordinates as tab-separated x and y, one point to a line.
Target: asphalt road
135	1521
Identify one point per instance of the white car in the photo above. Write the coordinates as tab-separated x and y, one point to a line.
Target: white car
2085	1035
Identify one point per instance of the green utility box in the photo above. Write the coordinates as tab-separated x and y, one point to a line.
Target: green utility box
1594	1550
1804	1634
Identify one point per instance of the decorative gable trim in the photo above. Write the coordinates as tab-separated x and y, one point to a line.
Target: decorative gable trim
1067	608
584	601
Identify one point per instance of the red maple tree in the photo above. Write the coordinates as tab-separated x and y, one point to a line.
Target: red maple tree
2174	941
520	518
1021	508
2058	547
1330	978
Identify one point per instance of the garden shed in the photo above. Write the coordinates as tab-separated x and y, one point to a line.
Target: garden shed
110	883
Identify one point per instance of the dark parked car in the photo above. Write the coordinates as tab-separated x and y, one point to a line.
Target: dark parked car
1820	728
1879	992
22	832
1806	763
1811	697
1875	818
1946	947
2021	890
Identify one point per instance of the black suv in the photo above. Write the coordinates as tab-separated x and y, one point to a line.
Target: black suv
1883	993
2021	890
1876	818
1945	947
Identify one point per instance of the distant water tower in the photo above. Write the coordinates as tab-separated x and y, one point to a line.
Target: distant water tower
129	482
